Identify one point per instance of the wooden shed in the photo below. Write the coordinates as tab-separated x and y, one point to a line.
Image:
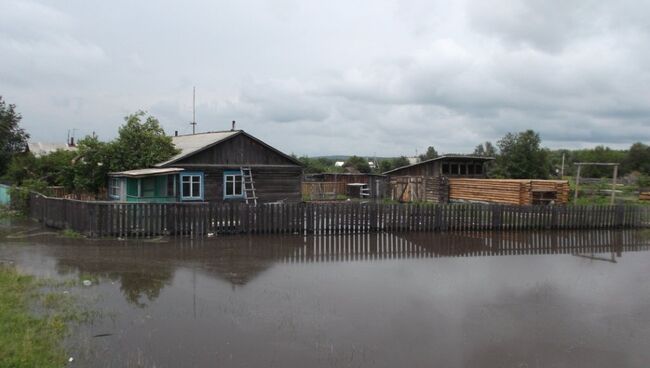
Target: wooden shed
428	180
465	166
226	165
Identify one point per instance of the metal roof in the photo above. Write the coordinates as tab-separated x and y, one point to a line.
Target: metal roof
466	157
146	172
39	149
193	143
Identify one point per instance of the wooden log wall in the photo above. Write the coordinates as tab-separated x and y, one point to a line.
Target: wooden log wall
506	191
111	219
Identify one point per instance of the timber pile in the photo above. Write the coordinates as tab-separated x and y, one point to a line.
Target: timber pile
506	191
644	196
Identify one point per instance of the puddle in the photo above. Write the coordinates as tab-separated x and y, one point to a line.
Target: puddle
520	299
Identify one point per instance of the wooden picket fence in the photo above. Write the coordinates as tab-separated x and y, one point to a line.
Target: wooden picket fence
113	219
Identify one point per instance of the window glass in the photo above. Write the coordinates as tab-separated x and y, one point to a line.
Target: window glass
445	168
170	186
479	169
463	169
233	186
470	169
191	186
454	169
114	187
148	187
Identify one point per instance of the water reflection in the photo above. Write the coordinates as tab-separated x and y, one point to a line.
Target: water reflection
143	269
378	300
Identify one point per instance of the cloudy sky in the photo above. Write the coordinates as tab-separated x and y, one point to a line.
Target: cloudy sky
335	77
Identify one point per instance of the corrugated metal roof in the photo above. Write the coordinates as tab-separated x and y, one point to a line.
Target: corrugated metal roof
190	144
146	172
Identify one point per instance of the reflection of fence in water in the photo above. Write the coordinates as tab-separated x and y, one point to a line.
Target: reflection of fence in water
378	246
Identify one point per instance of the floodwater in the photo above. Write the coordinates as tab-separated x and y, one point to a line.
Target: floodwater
520	299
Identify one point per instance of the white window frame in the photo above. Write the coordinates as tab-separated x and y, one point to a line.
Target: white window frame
192	178
230	177
114	184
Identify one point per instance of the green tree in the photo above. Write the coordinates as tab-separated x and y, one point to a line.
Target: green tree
358	163
521	157
400	162
141	143
431	153
638	159
486	149
13	139
89	168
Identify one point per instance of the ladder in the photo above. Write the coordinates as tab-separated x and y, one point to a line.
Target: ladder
248	186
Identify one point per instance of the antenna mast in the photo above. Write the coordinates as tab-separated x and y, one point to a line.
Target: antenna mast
193	123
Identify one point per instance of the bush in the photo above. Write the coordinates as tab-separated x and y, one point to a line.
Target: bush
20	195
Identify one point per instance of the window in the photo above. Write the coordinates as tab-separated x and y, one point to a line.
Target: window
114	188
454	169
445	169
192	186
479	169
171	186
463	169
233	186
148	187
470	169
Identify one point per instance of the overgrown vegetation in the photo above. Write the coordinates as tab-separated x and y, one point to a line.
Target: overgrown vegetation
33	323
13	139
141	143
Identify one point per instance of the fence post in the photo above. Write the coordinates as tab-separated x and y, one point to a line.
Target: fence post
497	216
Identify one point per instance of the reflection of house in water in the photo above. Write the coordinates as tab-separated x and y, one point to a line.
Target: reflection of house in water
144	269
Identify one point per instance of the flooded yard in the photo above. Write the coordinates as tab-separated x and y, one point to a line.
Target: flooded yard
479	299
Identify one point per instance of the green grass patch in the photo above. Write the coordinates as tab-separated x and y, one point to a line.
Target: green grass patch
67	233
34	322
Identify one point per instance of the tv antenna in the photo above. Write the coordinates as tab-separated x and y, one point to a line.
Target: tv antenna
193	123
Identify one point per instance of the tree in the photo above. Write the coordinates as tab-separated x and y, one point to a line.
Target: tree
140	144
400	162
486	149
13	139
521	157
638	159
91	165
358	163
431	153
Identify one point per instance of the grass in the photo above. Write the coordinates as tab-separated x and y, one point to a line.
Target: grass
33	322
67	233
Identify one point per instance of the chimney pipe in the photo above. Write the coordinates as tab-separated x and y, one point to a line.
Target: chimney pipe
233	126
175	133
71	141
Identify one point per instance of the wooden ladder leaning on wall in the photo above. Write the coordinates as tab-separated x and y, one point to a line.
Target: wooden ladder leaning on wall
248	185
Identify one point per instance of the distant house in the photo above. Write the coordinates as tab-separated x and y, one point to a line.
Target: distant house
212	167
39	149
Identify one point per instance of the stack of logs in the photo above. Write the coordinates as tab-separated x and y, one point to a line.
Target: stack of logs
506	191
644	196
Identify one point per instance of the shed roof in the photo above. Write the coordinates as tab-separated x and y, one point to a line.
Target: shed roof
194	143
139	173
443	157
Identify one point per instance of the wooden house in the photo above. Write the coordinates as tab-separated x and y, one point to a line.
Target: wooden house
225	166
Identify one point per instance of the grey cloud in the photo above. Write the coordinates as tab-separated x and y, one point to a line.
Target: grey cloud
374	77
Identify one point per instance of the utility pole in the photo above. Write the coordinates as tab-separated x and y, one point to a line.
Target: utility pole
562	171
193	123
